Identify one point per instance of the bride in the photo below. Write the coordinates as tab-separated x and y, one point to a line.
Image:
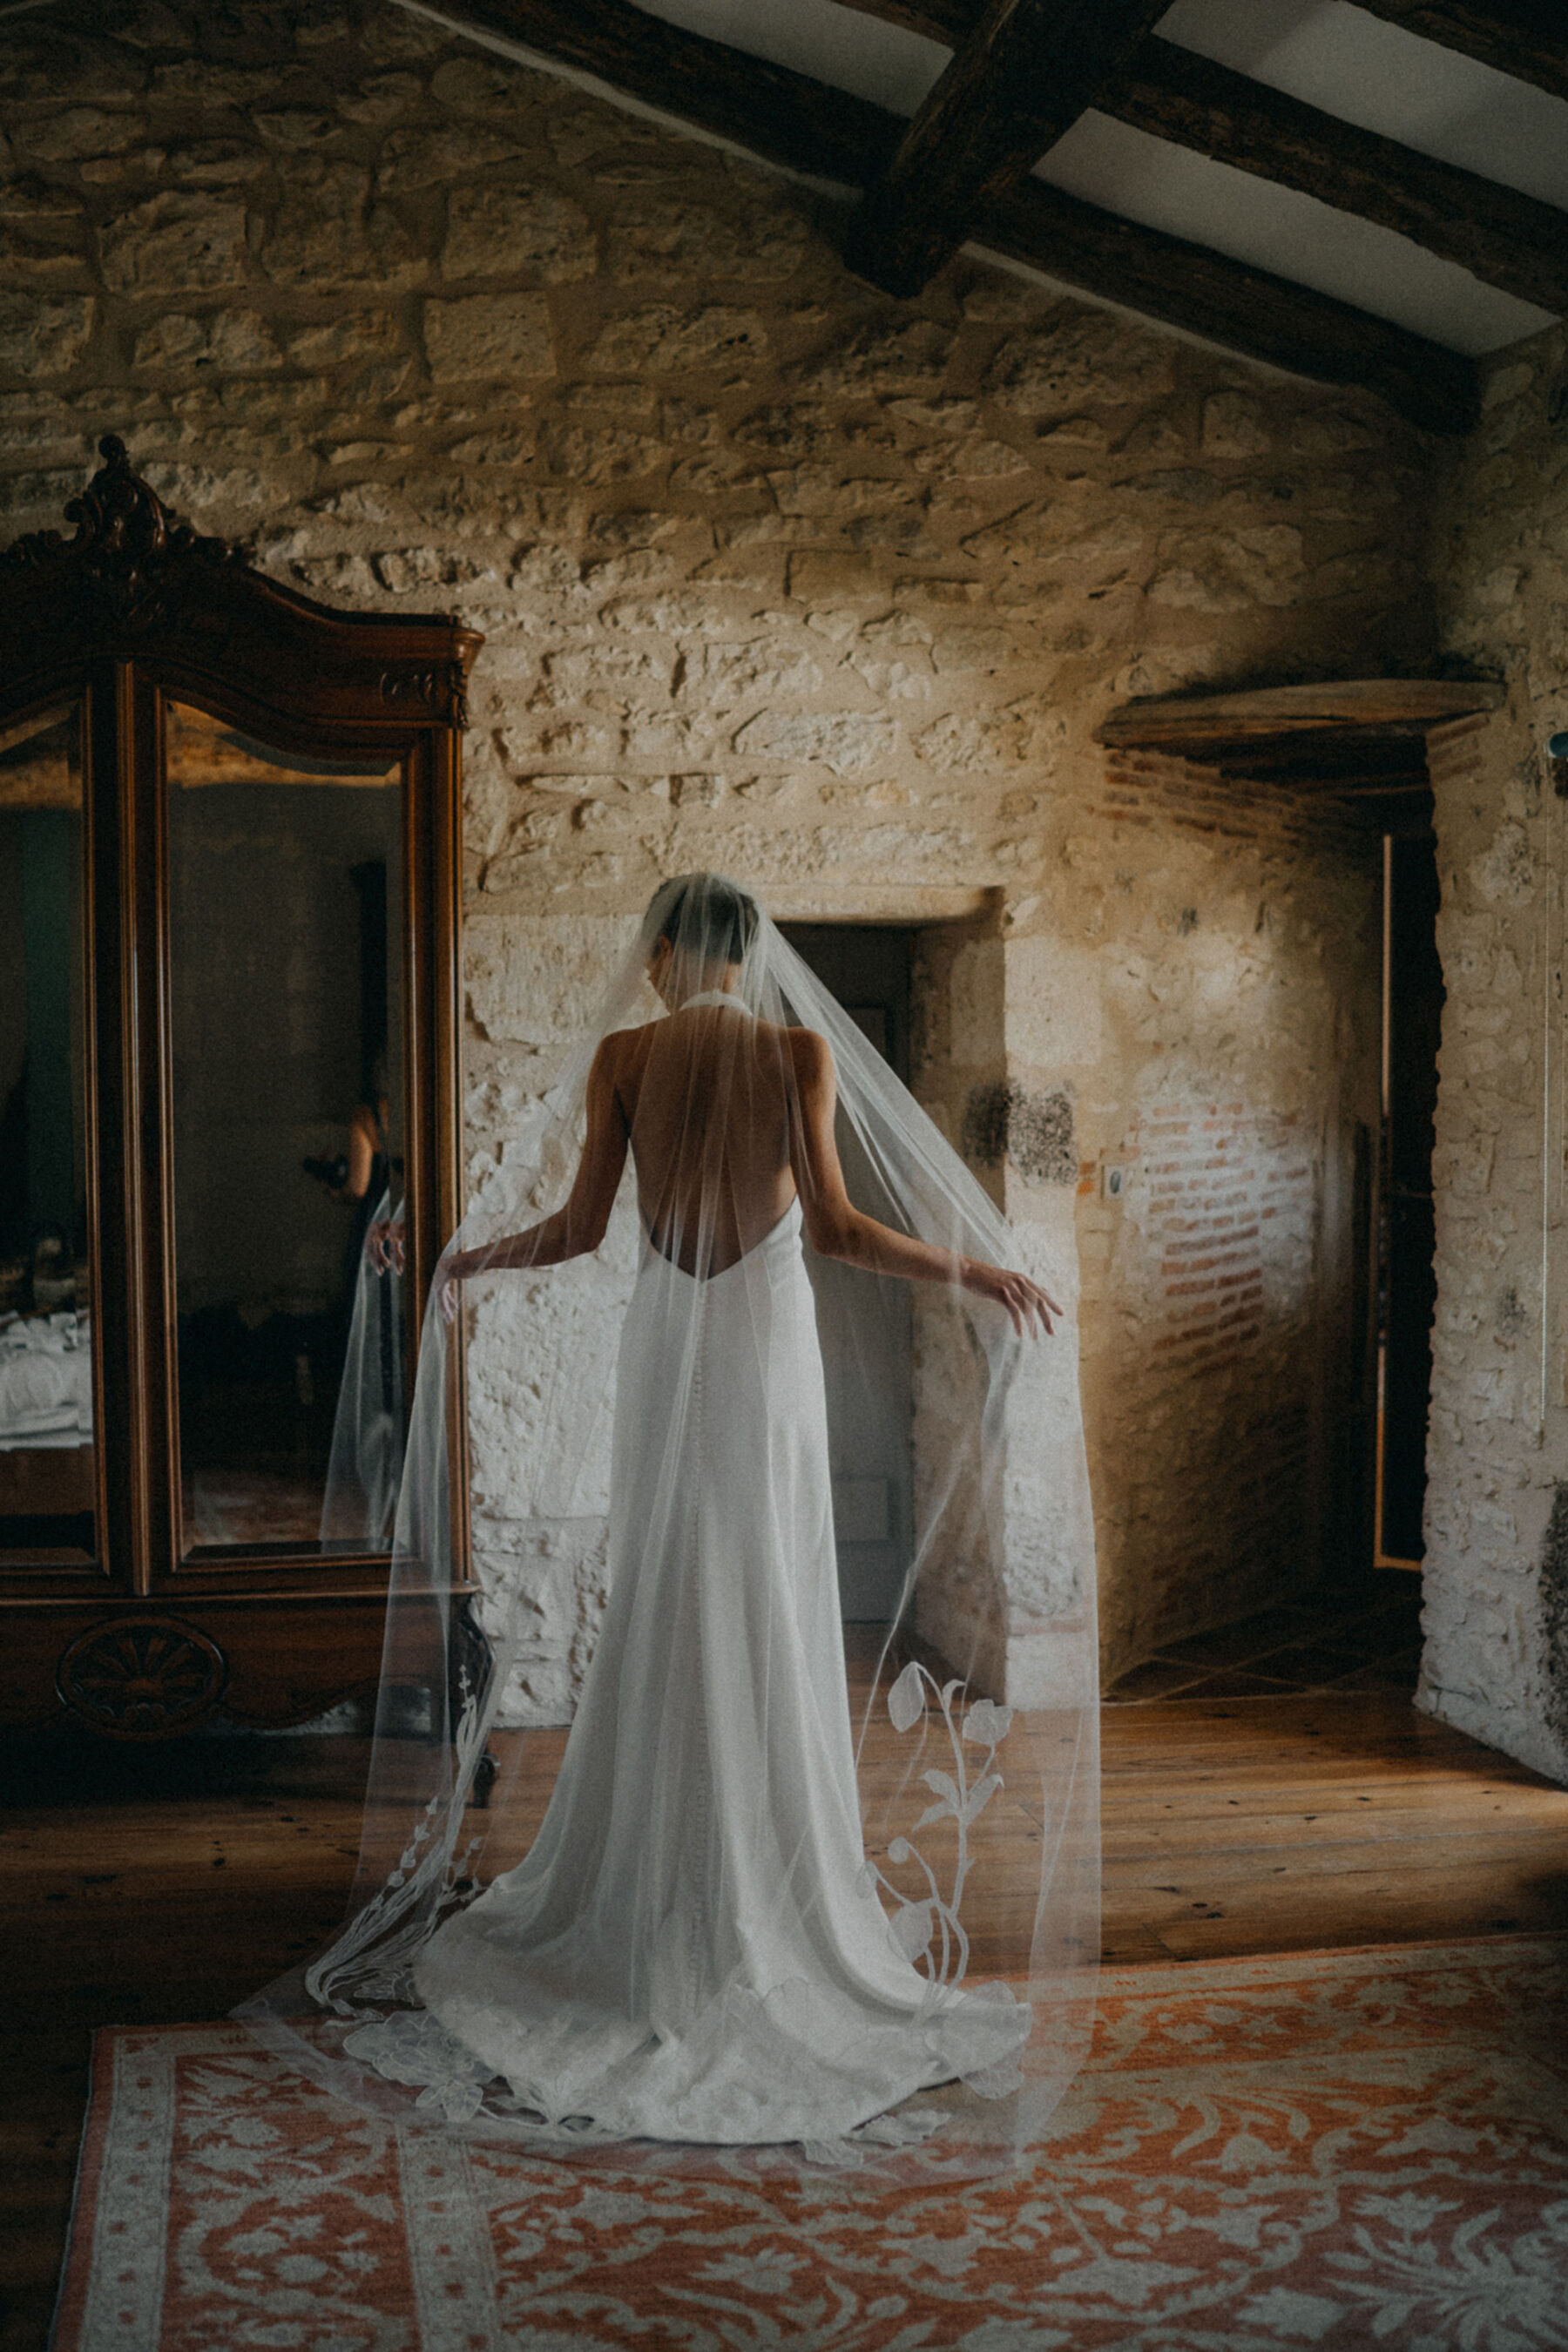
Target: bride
696	1947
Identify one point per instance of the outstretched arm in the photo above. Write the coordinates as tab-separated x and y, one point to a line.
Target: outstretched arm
577	1228
838	1229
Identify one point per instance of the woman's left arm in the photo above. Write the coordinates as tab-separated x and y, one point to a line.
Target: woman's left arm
577	1228
838	1229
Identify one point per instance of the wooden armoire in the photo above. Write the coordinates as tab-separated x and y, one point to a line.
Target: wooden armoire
229	1027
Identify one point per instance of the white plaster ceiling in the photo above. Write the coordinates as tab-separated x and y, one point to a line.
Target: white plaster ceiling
1331	54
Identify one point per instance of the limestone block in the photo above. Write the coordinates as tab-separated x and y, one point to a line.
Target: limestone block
537	980
672	613
24	263
202	163
1509	873
1235	425
44	336
39	206
1217	572
592	455
879	357
976	1006
238	340
890	681
592	672
423	157
664	340
302	128
850	743
982	646
973	742
1330	433
825	489
1053	1003
488	335
1080	359
542	1376
545	1584
174	242
380	99
470	84
670	235
830	579
76	131
327	234
212	85
493	231
762	670
354	335
976	459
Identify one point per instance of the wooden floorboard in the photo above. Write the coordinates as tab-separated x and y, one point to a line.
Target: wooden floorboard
156	1887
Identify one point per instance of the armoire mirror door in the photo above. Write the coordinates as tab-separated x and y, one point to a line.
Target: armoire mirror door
285	905
229	1042
49	1385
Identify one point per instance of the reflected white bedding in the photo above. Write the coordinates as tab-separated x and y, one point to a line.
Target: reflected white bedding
46	1382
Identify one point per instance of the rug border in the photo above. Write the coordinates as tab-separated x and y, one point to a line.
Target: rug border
92	2144
1123	1979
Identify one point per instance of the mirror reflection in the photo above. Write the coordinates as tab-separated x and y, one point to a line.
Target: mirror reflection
285	889
47	1470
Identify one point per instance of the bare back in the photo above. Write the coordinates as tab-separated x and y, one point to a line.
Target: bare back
707	1096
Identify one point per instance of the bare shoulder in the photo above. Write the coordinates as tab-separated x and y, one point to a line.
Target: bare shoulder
811	1056
622	1053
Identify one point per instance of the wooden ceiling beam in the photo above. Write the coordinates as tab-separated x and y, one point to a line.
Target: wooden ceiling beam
1020	79
1229	302
791	121
1505	239
771	110
1525	39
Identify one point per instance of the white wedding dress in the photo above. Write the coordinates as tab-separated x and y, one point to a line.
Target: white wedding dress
692	1948
735	1930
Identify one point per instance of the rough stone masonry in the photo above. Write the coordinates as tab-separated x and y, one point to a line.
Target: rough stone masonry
824	589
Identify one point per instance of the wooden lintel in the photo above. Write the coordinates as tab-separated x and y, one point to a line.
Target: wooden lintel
788	119
1366	707
1526	38
1505	239
1230	302
1020	79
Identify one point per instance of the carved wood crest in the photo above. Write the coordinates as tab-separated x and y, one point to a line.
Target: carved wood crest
138	582
127	548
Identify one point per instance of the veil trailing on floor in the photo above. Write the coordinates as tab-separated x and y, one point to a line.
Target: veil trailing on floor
791	1890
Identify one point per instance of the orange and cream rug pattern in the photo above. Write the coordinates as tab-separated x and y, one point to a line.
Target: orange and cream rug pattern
1333	2149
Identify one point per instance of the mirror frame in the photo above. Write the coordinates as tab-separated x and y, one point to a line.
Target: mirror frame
134	612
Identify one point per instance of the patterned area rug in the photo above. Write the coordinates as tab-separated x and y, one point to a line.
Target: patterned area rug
1333	2149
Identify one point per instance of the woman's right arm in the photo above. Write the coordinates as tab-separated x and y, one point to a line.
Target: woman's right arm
577	1228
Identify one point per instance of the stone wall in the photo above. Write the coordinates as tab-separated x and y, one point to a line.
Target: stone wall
784	577
1496	1660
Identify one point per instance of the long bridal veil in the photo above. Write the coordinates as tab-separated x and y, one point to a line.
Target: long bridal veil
791	1890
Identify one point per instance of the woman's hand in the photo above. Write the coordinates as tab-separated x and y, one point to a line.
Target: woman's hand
461	1266
1023	1299
383	1245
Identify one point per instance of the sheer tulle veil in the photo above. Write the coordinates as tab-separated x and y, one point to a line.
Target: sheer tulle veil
843	1881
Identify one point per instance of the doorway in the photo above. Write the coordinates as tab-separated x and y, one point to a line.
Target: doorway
870	1412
